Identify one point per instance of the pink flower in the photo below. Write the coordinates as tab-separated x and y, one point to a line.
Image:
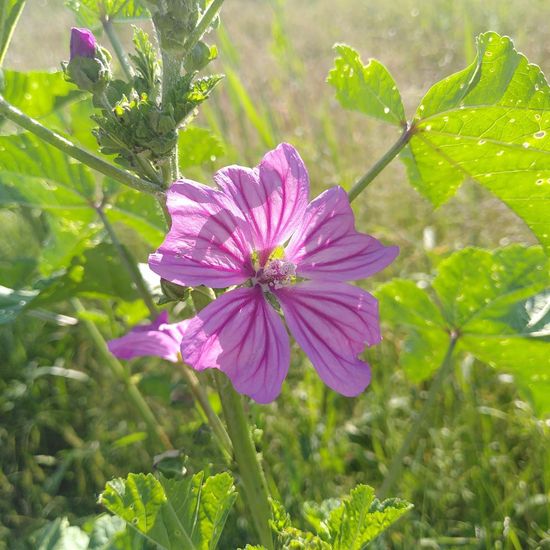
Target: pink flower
159	339
83	43
258	230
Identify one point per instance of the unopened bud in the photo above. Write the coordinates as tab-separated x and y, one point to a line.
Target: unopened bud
83	43
89	66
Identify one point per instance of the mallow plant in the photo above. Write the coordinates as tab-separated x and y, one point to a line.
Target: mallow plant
259	262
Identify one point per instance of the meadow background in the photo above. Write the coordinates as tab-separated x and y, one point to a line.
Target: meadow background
479	476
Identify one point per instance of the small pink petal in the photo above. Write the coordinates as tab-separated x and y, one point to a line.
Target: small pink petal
207	243
272	197
327	247
157	339
242	335
333	322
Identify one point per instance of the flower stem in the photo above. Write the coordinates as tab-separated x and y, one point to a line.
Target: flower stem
153	425
129	263
202	26
69	148
361	184
213	419
252	477
117	46
396	465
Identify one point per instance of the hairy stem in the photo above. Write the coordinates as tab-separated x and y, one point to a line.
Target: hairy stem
361	184
8	33
117	46
250	470
153	425
396	465
76	152
202	26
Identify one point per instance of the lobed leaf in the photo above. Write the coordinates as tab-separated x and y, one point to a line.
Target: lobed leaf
497	302
173	513
489	123
369	89
90	12
361	518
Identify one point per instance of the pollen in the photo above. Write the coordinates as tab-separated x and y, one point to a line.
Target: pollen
276	274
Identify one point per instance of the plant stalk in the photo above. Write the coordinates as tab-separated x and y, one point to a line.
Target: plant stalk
17	9
129	263
202	26
250	470
117	46
361	184
213	419
76	152
153	425
396	465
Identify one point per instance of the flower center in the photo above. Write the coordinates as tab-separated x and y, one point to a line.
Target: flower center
275	274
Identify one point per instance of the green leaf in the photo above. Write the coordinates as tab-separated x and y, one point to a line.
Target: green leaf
404	304
59	535
34	174
369	89
37	93
90	12
173	513
198	146
139	212
498	304
472	280
489	123
25	154
361	518
13	302
97	272
136	499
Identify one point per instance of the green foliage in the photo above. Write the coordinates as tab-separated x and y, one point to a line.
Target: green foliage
198	146
59	535
173	513
346	524
369	89
90	12
489	123
493	301
37	93
146	64
12	302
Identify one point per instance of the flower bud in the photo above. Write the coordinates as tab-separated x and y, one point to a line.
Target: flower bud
83	43
89	65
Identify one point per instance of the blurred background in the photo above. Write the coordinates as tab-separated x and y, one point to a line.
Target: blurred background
480	475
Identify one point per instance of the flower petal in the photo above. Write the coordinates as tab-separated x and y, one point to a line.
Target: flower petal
327	247
272	197
242	335
332	322
207	243
157	339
